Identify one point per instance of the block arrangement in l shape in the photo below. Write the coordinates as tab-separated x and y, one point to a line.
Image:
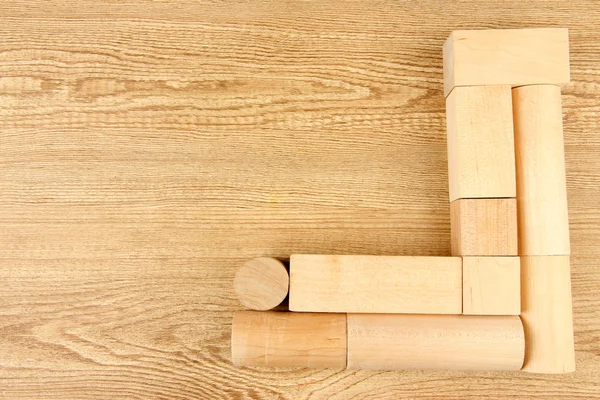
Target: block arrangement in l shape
509	273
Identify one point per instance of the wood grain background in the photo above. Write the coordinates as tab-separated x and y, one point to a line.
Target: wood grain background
148	148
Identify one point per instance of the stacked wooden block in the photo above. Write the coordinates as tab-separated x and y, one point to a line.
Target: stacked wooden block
502	301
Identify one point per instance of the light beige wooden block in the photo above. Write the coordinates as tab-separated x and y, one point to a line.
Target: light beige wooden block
457	342
376	284
541	181
284	339
484	227
512	57
491	286
481	149
261	283
547	314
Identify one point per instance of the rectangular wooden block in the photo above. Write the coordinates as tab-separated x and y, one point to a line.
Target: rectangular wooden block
376	284
541	176
481	148
491	286
484	227
512	57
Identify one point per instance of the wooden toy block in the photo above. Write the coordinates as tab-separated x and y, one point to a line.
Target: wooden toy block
457	342
484	227
540	161
376	284
512	57
284	339
547	314
491	286
261	283
481	149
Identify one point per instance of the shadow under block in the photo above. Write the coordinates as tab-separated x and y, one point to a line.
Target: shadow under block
284	339
491	286
484	227
481	149
547	314
261	283
512	57
540	162
376	284
456	342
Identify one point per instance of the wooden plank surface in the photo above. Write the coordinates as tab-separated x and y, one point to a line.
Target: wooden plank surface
149	148
375	284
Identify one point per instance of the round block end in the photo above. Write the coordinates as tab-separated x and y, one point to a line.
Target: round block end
261	283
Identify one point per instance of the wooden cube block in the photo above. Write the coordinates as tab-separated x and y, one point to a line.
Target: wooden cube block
481	148
491	285
484	227
512	57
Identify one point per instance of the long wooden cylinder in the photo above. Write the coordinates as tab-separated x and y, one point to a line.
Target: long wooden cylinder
285	339
547	314
540	166
262	283
457	342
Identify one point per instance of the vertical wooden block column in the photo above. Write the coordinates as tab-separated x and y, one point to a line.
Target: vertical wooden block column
481	170
481	175
543	230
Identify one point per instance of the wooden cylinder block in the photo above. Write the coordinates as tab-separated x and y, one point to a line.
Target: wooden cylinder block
547	314
285	339
456	342
261	283
540	166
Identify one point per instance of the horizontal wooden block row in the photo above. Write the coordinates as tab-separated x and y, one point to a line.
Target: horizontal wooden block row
384	341
384	284
377	341
400	284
